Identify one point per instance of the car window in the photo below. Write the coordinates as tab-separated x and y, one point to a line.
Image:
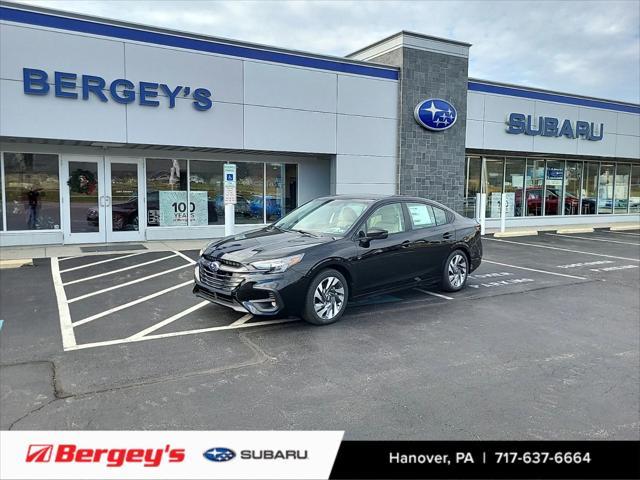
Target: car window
389	218
333	216
441	216
422	215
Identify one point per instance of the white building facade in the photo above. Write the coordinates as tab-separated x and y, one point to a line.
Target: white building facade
112	132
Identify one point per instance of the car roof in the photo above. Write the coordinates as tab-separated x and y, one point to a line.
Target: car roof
374	197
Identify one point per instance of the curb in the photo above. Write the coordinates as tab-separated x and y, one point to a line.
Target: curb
625	227
575	230
17	263
517	233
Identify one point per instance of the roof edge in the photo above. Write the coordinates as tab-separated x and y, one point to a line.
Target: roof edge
192	35
554	92
410	33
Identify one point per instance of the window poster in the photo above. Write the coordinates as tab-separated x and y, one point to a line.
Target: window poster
175	209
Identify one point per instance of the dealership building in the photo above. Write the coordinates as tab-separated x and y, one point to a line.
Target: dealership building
112	131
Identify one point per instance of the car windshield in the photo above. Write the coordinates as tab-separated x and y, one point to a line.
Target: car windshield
332	217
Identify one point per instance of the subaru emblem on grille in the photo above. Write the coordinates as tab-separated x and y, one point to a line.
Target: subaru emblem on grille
214	266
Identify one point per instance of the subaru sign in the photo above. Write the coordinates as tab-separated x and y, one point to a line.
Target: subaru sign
552	127
219	454
435	114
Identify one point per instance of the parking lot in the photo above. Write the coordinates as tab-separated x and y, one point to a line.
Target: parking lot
543	344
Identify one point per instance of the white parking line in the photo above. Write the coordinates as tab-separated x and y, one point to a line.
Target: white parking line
66	327
242	320
534	270
178	334
119	270
191	261
625	233
439	295
593	239
561	249
102	261
130	304
126	284
169	320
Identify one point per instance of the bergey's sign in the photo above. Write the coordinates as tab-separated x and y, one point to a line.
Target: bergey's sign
120	90
552	127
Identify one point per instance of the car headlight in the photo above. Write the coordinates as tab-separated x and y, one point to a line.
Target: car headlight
196	272
277	265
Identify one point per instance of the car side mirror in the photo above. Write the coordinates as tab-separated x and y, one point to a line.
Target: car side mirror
372	234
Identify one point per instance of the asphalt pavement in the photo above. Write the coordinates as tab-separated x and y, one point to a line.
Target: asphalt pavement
543	344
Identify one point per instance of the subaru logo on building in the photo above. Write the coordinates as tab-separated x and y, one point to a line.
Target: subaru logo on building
435	114
219	454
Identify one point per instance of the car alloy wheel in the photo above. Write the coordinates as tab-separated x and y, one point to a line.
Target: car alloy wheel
457	270
328	298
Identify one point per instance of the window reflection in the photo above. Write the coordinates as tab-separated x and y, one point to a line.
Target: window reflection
534	183
494	170
205	182
514	186
274	197
572	188
553	187
634	190
474	172
621	190
32	191
590	188
605	188
167	204
250	192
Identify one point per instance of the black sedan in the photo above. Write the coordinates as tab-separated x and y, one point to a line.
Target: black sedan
334	249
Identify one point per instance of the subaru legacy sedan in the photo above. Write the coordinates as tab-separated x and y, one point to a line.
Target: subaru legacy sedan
331	250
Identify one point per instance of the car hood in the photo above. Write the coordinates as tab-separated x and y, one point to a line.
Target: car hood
263	244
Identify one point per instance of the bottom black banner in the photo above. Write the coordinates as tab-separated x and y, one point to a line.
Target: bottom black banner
490	459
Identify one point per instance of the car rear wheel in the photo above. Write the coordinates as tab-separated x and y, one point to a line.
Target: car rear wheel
326	298
456	271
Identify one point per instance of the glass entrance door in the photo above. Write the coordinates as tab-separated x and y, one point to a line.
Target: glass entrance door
124	201
101	199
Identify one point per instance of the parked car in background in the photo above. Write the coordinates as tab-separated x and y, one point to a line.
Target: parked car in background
333	249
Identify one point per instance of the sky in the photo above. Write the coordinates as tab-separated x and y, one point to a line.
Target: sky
583	47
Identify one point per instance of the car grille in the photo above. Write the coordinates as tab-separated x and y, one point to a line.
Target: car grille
222	280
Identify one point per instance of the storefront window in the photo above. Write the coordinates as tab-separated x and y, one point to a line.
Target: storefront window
621	190
275	195
572	187
634	190
553	187
474	173
514	185
1	203
32	191
250	192
291	187
494	171
167	204
605	188
534	183
205	183
590	188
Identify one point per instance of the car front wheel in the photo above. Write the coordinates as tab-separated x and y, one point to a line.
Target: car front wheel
326	298
456	271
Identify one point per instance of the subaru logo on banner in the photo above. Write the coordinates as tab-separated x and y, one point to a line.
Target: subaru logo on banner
435	114
219	454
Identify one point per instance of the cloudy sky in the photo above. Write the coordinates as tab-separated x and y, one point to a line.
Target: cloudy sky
586	47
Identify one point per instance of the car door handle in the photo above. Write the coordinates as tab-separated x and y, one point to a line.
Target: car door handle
447	235
405	244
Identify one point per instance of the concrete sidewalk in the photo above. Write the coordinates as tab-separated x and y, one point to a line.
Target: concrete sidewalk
8	254
574	228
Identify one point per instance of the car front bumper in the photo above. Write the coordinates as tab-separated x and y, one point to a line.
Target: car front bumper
252	292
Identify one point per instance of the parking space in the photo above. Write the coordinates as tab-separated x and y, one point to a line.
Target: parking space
116	299
546	323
